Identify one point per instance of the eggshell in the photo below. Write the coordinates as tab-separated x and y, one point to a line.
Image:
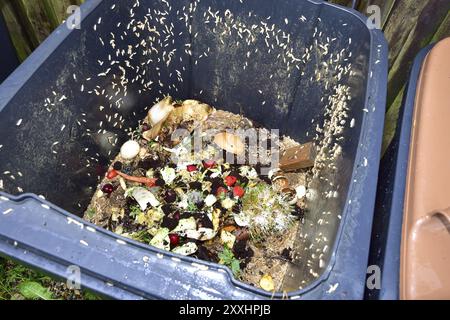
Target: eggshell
130	150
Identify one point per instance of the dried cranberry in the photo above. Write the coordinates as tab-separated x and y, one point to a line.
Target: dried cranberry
221	190
174	239
166	209
108	188
192	168
170	196
208	164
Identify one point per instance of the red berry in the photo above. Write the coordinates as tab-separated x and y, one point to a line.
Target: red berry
208	164
192	168
174	239
221	190
108	188
238	191
112	174
230	181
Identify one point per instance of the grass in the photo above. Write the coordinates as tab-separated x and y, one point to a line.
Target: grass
18	282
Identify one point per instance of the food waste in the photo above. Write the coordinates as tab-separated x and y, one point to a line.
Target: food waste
178	185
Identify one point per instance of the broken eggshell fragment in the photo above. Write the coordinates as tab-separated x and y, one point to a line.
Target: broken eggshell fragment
202	234
188	228
161	239
184	225
227	238
130	150
186	249
301	192
144	197
210	200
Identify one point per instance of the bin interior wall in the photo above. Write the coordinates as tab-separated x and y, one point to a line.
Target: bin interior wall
56	138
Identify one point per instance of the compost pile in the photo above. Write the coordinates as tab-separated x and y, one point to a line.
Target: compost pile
171	191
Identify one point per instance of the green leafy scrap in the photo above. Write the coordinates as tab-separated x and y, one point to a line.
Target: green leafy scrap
35	291
228	259
135	211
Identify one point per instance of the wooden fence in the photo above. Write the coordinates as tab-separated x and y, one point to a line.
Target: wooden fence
409	25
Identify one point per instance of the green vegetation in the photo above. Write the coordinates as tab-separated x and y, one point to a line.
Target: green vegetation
21	283
135	211
90	213
228	259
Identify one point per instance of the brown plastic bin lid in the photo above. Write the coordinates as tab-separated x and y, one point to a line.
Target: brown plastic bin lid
425	250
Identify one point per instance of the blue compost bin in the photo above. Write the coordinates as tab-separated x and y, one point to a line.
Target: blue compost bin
293	65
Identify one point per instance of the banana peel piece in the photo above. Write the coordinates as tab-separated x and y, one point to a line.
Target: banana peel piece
186	249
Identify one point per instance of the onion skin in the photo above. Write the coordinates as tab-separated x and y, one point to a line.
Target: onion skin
160	111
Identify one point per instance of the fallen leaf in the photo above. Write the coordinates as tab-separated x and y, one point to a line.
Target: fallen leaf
34	290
